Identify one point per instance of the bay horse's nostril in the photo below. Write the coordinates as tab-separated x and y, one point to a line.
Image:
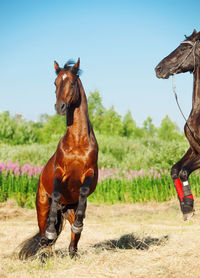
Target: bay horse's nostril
63	106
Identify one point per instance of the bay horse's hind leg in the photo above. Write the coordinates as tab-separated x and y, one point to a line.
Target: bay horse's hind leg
180	173
73	246
31	246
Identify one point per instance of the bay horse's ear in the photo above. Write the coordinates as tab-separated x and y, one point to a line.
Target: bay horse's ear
194	32
77	65
56	66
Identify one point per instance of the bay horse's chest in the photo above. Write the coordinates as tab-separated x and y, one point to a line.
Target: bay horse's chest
75	163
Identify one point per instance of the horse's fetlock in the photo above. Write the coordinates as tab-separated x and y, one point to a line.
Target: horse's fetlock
174	173
84	191
56	196
183	175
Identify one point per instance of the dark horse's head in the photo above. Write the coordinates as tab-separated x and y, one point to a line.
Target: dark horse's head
184	58
66	86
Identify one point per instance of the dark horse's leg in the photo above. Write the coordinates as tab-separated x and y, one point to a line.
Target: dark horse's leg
180	174
51	232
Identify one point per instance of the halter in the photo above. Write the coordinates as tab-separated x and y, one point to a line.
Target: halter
193	49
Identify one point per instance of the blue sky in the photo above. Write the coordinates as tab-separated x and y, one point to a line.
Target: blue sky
119	44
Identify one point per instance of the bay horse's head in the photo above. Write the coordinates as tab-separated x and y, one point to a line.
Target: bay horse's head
184	58
67	93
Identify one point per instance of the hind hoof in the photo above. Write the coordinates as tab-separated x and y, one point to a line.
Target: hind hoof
76	230
51	235
188	216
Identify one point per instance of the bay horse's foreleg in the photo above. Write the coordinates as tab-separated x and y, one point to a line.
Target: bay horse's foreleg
77	226
51	232
180	173
73	247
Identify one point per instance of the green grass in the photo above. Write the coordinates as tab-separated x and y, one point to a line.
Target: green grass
114	152
146	188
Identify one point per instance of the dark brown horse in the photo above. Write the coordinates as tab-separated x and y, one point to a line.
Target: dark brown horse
70	175
186	57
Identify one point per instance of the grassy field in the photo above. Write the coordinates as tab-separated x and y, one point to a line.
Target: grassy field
114	152
127	240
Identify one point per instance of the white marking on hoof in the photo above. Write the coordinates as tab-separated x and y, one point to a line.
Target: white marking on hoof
50	236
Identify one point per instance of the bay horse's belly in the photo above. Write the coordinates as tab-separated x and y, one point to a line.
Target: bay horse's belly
70	184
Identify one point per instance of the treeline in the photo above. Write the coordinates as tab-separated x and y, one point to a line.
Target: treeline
17	131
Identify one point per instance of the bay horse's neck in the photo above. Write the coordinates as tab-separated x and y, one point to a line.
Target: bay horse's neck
78	125
196	90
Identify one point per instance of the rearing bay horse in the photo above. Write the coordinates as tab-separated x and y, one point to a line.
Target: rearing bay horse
71	174
186	57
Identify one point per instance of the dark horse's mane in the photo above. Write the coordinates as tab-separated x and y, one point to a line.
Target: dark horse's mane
69	66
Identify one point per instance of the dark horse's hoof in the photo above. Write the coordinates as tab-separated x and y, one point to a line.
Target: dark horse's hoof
75	229
188	216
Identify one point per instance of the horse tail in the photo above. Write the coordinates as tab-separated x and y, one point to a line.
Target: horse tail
31	246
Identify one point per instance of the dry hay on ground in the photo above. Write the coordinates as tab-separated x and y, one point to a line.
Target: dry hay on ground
122	240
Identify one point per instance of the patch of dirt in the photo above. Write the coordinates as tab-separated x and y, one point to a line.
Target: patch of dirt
10	210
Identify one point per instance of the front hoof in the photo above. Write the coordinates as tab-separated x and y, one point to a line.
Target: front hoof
188	216
51	235
75	229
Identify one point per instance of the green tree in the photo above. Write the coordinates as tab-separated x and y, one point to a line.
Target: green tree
149	127
111	123
168	130
129	125
53	129
7	127
95	108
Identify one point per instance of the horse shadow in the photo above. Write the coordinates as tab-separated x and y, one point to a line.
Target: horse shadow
131	241
125	242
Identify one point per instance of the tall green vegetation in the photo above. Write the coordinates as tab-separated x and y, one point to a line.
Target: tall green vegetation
152	186
17	131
